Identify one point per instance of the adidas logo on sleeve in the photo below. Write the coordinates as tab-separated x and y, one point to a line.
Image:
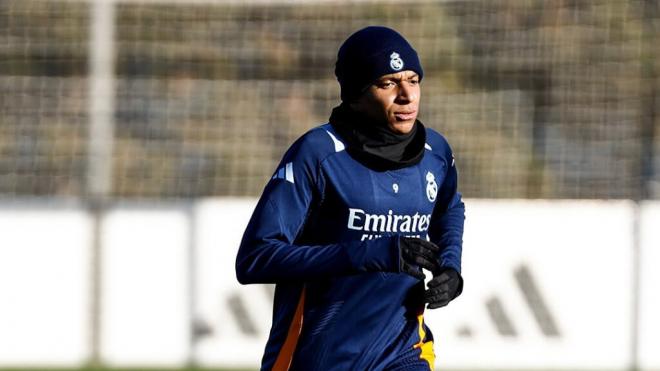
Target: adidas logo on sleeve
285	173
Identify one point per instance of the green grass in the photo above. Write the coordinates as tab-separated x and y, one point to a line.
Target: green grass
122	369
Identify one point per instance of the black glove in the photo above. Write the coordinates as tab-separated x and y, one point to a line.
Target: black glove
445	286
416	253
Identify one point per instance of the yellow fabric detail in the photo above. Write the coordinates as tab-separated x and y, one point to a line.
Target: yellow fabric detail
427	353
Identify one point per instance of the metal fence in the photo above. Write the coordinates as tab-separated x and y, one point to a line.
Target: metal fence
130	99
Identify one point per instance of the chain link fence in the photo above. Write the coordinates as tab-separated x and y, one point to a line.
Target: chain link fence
540	99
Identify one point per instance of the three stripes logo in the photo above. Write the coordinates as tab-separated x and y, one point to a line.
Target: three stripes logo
499	316
239	309
535	302
285	173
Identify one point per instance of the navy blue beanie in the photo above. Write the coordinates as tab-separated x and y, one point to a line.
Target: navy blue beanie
369	54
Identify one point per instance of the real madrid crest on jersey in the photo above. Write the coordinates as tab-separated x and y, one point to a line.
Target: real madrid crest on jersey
396	62
431	187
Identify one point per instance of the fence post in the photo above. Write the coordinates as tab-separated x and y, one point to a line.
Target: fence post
100	147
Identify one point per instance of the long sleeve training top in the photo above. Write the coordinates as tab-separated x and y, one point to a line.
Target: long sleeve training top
325	231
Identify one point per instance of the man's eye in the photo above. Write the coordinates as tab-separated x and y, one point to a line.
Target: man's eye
414	82
386	84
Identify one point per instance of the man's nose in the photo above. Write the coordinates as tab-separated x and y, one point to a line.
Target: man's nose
407	93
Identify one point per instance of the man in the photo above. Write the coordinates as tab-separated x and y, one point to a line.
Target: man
355	210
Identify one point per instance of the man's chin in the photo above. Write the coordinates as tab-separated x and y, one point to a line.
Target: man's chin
402	127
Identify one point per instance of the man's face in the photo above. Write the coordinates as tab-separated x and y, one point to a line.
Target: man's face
392	100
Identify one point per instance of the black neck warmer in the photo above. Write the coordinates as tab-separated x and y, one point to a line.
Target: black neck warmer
374	145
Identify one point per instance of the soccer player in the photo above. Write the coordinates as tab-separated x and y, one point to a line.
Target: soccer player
354	212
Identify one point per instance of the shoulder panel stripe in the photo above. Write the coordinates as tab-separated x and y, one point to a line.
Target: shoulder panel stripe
339	146
289	172
427	146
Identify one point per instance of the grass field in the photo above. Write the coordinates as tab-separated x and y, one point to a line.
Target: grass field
124	369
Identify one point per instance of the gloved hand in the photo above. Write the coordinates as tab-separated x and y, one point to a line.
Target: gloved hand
445	286
416	253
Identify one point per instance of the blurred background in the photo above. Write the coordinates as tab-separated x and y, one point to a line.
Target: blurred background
135	137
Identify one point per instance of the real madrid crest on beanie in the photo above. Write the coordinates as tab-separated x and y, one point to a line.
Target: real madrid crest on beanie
369	54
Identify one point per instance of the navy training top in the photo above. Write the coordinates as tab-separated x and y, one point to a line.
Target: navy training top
325	232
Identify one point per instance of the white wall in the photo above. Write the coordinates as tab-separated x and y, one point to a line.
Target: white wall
220	226
44	291
145	293
578	255
166	267
649	325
